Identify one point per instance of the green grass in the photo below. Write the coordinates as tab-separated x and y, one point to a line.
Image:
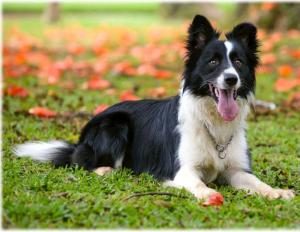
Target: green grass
82	7
39	196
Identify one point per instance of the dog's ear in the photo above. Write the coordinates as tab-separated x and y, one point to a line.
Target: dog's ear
246	34
200	33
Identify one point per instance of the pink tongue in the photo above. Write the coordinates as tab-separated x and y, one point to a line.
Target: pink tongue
227	106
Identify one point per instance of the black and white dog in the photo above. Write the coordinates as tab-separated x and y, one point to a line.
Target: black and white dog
187	140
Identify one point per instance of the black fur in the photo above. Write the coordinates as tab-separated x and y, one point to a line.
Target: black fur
144	132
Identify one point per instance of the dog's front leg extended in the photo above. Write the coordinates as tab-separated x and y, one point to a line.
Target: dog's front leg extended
243	180
188	177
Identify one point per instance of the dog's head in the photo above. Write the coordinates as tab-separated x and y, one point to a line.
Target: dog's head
223	70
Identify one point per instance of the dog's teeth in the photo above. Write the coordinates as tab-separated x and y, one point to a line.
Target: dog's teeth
216	92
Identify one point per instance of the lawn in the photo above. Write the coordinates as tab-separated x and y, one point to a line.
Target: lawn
39	196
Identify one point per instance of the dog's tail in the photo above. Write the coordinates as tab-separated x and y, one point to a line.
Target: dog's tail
57	152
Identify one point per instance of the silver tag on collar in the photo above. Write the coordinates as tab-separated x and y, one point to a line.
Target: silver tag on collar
221	151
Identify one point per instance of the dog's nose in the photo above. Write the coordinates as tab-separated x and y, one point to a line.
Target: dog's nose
231	80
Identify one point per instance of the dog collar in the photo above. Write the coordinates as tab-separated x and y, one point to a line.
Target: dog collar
221	148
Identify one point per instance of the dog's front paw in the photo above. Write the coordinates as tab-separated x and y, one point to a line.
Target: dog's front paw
101	171
272	193
204	193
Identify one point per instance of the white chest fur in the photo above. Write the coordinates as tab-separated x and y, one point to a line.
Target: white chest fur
197	149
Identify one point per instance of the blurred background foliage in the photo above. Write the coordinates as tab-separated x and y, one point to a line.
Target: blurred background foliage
267	15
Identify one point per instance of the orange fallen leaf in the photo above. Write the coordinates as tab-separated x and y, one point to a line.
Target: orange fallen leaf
122	66
267	6
275	37
268	58
98	83
20	58
162	74
267	46
158	92
295	54
128	96
283	84
146	69
75	49
285	70
42	112
215	199
100	109
110	92
16	91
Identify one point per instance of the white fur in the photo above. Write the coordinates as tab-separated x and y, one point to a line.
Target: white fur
197	155
230	69
196	146
101	171
220	81
247	181
119	162
41	151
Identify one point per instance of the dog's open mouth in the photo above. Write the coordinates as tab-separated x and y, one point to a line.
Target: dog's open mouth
226	102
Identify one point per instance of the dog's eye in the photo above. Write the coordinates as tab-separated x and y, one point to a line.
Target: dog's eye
213	62
238	62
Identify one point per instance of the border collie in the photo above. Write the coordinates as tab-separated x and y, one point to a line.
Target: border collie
188	140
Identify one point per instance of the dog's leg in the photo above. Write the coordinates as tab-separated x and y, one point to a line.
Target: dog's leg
101	171
188	178
243	180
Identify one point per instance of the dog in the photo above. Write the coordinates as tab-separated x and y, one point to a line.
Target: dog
188	140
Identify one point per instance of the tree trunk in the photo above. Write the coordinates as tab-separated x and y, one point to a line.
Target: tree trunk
52	12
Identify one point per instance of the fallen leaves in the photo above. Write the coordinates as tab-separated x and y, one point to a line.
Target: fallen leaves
162	74
215	199
98	83
158	92
16	91
283	84
100	109
128	96
42	112
93	58
285	70
268	6
268	58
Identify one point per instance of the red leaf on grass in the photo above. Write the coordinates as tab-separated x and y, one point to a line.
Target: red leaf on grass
75	49
285	70
146	69
268	58
162	74
295	54
122	67
98	83
267	6
100	109
16	91
283	84
158	92
215	199
128	96
42	112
